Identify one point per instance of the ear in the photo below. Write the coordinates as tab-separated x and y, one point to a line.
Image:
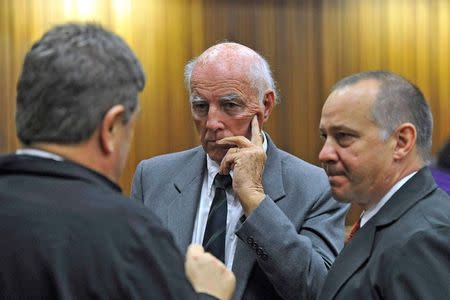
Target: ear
110	125
269	103
405	135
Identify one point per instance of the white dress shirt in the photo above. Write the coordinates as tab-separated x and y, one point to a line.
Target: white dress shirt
369	213
234	210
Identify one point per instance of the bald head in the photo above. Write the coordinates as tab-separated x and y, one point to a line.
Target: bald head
227	52
232	58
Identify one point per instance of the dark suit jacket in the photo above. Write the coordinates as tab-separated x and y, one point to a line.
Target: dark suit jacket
67	233
403	252
285	246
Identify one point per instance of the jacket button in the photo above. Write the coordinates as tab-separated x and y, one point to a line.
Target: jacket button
250	240
264	256
259	251
255	245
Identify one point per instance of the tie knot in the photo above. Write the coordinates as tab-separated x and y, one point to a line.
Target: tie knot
222	181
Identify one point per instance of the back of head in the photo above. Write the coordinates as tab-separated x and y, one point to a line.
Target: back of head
71	77
398	101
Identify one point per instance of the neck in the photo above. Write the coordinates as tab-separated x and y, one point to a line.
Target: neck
400	171
85	154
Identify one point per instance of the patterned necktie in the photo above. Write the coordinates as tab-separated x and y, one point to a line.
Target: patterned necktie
354	229
214	238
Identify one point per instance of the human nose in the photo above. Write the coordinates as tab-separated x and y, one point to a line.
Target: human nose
214	119
328	152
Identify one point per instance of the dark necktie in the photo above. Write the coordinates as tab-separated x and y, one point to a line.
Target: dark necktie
214	238
354	229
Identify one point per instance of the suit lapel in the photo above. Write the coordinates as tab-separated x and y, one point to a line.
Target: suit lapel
244	258
415	189
273	174
358	251
355	254
181	211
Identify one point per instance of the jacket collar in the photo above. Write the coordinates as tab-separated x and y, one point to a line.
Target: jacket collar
184	199
273	174
39	166
415	189
358	251
191	171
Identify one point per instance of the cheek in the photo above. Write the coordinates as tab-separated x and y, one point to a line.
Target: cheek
202	131
243	118
253	109
239	126
199	124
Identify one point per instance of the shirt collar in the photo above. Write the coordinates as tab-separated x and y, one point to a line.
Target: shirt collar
369	213
39	153
213	167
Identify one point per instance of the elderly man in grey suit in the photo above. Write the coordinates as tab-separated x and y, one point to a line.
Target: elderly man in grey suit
281	228
376	128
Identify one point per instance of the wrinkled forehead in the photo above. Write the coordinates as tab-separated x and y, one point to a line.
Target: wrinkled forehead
358	96
350	104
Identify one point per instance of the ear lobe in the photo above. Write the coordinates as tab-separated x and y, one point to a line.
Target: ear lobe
406	135
109	128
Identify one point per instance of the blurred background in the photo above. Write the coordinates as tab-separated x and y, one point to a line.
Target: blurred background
310	44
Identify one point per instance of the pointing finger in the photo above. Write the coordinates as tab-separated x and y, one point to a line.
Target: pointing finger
239	141
256	132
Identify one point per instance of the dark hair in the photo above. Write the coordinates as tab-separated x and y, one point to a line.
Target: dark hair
398	101
71	77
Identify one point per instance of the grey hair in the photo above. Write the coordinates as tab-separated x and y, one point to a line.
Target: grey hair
260	74
70	78
398	101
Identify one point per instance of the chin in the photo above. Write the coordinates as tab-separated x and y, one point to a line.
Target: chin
215	153
339	196
217	156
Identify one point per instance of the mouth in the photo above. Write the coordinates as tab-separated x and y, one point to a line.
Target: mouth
336	179
334	176
332	171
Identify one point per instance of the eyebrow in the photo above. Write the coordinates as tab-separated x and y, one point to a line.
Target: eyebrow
230	97
337	128
341	128
196	98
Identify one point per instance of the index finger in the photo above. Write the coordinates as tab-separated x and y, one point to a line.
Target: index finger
256	138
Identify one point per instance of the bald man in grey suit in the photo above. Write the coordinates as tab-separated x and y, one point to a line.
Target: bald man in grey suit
283	228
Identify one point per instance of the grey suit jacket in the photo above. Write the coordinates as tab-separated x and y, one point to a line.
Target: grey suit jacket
285	246
403	252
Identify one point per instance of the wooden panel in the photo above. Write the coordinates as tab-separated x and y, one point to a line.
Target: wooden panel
309	44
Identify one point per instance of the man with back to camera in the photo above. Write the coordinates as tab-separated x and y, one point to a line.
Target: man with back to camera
276	226
377	130
66	230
